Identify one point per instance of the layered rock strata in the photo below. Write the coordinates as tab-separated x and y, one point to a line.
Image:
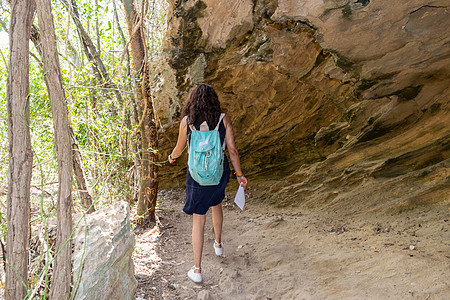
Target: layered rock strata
326	97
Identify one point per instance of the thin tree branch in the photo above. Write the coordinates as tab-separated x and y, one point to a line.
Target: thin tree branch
4	61
97	87
5	28
36	58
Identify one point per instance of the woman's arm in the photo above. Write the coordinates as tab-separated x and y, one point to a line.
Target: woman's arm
181	142
232	150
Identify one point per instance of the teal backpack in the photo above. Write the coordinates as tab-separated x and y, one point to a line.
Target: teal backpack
206	153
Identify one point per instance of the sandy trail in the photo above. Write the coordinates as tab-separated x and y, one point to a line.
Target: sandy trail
275	253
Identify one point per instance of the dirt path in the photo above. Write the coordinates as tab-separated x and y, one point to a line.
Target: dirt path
296	254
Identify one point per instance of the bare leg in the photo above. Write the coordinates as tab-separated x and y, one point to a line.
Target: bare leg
217	216
198	229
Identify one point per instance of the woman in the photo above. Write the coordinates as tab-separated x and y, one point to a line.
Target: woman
202	106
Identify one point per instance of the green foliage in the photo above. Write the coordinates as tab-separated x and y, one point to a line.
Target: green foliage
104	134
3	226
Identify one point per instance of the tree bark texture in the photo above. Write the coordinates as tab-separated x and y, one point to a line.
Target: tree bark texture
20	152
147	125
62	273
77	160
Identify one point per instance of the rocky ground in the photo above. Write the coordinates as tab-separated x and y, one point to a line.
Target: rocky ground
273	253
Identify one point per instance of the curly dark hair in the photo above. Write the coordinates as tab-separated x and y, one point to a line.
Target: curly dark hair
202	105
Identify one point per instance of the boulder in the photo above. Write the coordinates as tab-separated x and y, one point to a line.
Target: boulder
103	245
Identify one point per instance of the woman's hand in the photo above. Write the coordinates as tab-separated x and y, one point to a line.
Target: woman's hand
242	181
171	160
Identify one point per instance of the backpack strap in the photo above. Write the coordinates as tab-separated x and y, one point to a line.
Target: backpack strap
220	120
222	115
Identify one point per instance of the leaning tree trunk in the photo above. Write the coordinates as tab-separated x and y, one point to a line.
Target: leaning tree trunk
77	160
61	278
147	125
92	53
78	170
20	152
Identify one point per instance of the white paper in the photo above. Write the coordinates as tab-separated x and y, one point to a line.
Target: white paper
240	198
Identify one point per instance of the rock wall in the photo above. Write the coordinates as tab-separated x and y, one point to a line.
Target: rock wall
329	99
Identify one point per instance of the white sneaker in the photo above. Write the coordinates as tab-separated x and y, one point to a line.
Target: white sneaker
218	250
195	277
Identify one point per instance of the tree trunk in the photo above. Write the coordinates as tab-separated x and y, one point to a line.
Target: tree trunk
125	113
20	152
122	36
97	31
78	169
62	273
147	126
78	166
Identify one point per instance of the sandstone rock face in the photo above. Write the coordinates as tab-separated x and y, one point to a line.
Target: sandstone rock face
104	244
324	95
235	17
389	45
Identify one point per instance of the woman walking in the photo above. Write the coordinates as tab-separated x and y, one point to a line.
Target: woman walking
202	112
